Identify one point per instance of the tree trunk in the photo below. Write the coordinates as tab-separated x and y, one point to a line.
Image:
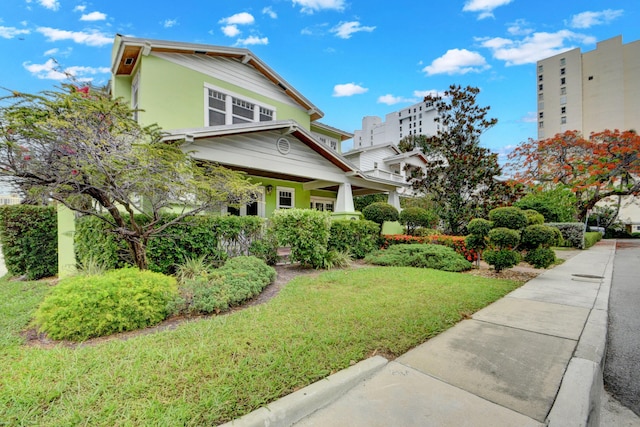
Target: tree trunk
139	253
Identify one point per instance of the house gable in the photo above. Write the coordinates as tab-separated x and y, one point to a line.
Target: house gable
173	75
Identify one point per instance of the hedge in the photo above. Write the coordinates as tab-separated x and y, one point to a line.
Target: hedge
29	237
358	238
214	237
591	238
572	233
457	243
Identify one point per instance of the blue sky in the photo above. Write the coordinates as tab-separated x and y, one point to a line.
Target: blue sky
350	58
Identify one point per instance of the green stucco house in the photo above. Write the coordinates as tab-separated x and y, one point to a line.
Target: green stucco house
229	107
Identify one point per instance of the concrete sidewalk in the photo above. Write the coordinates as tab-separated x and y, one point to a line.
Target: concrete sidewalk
533	358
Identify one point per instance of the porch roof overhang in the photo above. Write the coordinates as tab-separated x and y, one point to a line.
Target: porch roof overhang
129	50
359	181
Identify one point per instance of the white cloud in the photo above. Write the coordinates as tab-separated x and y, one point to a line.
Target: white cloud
484	7
348	89
93	16
230	30
269	11
519	28
589	19
457	61
534	47
51	52
168	23
344	30
242	18
11	32
93	38
80	8
310	6
531	117
392	100
253	40
50	4
51	70
55	52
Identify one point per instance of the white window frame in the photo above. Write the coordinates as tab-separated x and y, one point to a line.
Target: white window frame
243	209
293	197
230	96
324	200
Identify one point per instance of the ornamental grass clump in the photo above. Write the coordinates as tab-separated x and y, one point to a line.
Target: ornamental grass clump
420	255
87	306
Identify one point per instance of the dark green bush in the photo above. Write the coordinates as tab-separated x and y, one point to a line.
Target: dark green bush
239	279
504	238
508	217
479	226
266	248
83	307
420	255
380	212
358	238
538	235
502	259
591	238
415	217
540	257
572	233
210	236
533	217
306	231
29	237
424	232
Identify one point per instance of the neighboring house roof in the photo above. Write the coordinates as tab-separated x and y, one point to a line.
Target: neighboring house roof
343	135
372	148
129	50
406	155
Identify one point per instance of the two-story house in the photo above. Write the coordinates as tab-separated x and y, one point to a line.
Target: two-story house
231	108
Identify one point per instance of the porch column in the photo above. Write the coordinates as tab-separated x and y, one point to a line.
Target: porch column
394	199
344	202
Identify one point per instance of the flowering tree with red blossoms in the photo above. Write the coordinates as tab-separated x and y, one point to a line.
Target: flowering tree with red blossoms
83	149
603	165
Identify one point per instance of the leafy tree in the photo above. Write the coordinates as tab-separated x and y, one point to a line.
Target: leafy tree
603	165
556	204
84	149
460	175
361	202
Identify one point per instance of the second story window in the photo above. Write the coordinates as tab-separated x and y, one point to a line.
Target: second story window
226	109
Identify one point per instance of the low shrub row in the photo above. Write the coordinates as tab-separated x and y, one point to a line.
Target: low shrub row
457	243
88	306
591	238
216	290
434	256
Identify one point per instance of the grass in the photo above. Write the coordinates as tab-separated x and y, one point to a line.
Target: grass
210	371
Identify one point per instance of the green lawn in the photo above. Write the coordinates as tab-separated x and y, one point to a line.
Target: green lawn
210	371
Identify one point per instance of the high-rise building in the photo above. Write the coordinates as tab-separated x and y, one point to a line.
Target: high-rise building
417	119
591	91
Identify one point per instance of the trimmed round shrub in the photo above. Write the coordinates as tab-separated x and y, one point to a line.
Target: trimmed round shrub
380	212
416	217
502	259
479	227
438	257
83	307
533	217
504	238
508	217
540	257
538	235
